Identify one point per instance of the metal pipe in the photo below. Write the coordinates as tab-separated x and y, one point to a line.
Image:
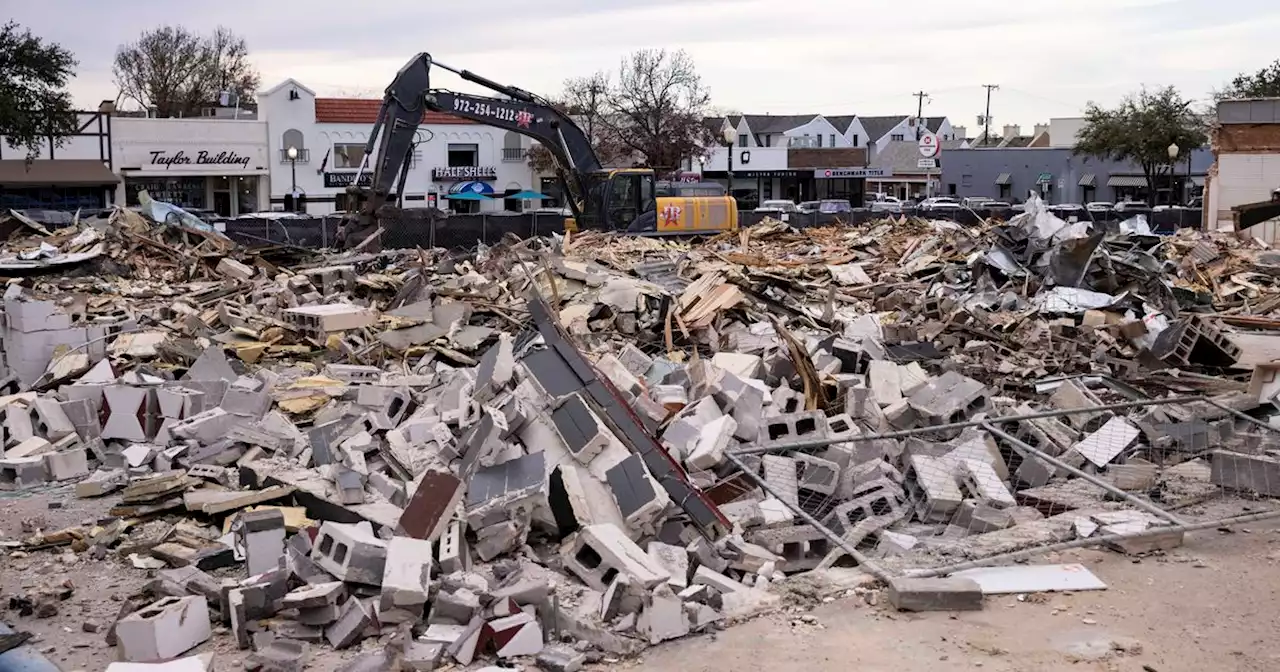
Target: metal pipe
824	442
863	561
1091	541
1143	504
1242	415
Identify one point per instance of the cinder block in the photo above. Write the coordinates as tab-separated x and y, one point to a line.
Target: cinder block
49	420
580	429
453	554
949	398
406	578
816	474
713	439
313	596
640	500
127	411
248	396
179	403
782	475
598	553
207	427
350	553
260	534
350	626
323	319
496	369
673	559
980	479
17	425
933	594
66	465
164	629
22	472
794	427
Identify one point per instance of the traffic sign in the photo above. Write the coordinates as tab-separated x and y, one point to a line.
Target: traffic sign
927	164
928	144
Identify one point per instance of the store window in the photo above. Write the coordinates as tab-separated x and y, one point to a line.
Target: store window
463	155
184	192
899	137
348	155
52	198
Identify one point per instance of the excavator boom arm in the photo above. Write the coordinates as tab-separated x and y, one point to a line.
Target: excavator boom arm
410	95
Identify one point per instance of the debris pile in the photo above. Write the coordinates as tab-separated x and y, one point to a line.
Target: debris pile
605	440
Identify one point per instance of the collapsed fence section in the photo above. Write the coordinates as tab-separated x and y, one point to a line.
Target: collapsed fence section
972	485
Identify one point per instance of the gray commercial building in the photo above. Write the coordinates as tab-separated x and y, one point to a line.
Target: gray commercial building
1062	177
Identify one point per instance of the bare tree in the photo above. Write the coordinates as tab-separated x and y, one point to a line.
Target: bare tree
174	71
657	107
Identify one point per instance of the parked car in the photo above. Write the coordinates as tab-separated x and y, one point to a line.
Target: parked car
1128	205
975	201
939	204
995	205
777	207
887	204
1099	206
563	212
809	206
834	206
1067	207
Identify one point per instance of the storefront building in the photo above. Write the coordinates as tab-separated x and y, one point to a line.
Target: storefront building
451	156
212	166
70	173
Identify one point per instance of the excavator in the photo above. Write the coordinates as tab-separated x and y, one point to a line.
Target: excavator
630	200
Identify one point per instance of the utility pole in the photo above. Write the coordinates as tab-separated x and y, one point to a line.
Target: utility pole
920	96
986	118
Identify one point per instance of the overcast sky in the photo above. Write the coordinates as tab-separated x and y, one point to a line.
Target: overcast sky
760	56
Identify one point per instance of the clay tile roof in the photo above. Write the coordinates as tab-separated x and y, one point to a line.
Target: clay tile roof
365	111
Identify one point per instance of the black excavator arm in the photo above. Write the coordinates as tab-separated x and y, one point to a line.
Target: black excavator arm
410	95
1252	214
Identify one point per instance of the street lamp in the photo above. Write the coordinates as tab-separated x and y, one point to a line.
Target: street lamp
1173	158
730	134
292	153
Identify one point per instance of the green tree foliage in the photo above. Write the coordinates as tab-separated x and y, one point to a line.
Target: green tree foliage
1264	83
35	106
1141	129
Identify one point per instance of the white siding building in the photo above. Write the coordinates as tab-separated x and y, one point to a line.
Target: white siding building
453	155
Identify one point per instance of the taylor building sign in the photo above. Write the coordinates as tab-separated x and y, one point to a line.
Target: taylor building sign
460	173
202	157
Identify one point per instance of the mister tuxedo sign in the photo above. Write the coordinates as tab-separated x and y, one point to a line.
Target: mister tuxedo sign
202	157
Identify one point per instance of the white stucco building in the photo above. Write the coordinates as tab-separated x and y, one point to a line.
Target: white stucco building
216	165
330	134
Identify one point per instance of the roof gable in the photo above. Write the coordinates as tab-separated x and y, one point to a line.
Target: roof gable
878	127
288	82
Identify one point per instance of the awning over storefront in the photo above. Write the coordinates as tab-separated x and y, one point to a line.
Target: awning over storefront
1126	181
1088	180
483	188
1004	178
61	172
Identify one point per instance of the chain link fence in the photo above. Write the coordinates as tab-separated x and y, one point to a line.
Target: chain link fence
933	472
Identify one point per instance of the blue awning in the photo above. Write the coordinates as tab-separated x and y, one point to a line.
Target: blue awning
471	188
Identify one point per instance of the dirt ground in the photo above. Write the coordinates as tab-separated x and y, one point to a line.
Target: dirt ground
1211	605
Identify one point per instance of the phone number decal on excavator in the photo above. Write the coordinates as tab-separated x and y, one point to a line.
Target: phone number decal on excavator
498	112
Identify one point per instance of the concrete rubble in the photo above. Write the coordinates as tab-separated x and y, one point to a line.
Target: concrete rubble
473	452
